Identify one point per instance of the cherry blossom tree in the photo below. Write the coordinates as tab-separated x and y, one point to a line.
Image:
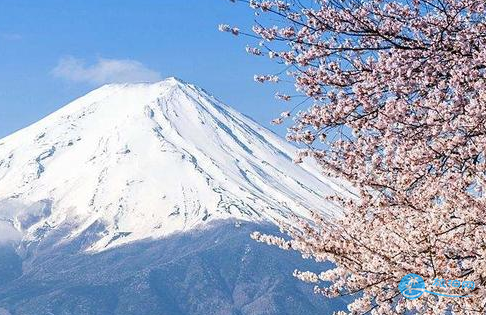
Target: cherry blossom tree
395	103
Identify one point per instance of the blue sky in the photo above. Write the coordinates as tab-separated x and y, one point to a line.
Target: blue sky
53	51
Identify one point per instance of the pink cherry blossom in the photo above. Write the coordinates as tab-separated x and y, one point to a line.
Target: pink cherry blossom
397	93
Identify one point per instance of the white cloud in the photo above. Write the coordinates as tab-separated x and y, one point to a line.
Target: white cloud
104	71
24	215
8	233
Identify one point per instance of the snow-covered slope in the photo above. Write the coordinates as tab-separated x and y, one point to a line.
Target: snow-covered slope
147	160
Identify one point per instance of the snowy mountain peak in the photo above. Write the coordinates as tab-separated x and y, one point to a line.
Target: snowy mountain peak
176	80
133	161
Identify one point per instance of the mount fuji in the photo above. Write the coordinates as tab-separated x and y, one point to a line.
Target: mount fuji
138	199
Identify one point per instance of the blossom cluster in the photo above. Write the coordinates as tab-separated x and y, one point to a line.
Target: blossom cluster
398	92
